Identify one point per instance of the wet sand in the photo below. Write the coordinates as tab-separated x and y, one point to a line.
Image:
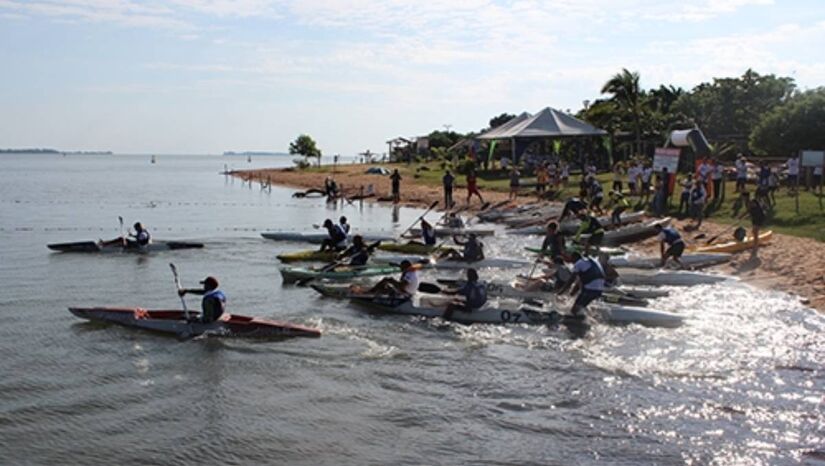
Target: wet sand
788	263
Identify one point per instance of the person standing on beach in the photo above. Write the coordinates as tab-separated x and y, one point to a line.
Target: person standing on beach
472	186
717	175
396	186
758	219
618	173
698	195
447	181
741	173
675	245
684	199
793	173
565	173
514	182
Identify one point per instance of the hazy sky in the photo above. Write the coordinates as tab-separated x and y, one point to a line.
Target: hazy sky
204	76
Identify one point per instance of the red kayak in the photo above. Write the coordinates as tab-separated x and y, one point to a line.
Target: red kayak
174	322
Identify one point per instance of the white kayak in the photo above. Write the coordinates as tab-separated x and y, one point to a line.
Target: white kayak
664	277
452	264
446	231
316	238
697	260
570	226
515	289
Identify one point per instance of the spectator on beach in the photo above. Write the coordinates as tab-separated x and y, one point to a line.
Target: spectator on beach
698	196
590	169
758	220
817	179
704	172
565	173
632	174
472	186
447	181
773	185
541	179
514	182
741	172
684	199
619	204
764	173
717	175
740	203
553	176
793	173
596	194
396	186
618	173
647	176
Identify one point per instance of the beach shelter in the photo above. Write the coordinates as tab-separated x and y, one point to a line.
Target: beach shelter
549	123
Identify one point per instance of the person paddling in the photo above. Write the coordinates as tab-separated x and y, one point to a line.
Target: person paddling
589	225
675	244
474	295
358	253
213	303
428	233
345	227
337	237
553	243
406	285
473	250
454	221
141	238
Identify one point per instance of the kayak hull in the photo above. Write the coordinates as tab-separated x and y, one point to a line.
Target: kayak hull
410	248
696	260
294	274
315	238
735	246
444	231
94	246
447	264
569	227
174	322
668	278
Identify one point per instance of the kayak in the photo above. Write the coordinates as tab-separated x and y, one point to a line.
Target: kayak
428	262
308	256
94	246
735	246
610	251
633	233
174	322
445	231
315	238
344	272
411	248
515	290
636	315
689	260
668	278
569	227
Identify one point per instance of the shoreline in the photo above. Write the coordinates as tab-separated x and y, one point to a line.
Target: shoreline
790	264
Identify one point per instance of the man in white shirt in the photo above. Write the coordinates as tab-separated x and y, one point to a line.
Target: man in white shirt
406	286
741	173
793	171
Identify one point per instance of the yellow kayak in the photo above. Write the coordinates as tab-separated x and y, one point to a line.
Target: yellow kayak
735	246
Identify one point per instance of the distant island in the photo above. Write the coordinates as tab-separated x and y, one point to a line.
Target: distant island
251	153
54	151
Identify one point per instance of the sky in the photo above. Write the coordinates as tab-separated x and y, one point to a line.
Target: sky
207	76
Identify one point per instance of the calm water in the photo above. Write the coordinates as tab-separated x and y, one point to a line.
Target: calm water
741	383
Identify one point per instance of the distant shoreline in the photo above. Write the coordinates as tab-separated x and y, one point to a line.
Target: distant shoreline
55	152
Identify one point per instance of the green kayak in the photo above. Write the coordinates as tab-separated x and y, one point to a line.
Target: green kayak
343	272
308	256
607	250
411	248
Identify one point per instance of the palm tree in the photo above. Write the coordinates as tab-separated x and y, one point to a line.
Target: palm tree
628	96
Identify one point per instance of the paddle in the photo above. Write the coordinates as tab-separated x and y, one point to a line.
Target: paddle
177	285
432	206
713	238
120	219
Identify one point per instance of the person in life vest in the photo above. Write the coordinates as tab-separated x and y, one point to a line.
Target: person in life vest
619	204
698	196
454	221
342	222
473	250
337	237
358	253
596	194
428	235
589	225
136	240
405	286
553	244
589	282
213	303
473	293
668	236
572	207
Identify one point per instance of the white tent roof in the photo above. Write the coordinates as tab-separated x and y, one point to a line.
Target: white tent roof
548	123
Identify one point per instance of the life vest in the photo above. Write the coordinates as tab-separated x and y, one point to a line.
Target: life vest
593	273
337	234
429	236
359	257
696	194
476	295
213	303
143	238
344	227
591	226
472	250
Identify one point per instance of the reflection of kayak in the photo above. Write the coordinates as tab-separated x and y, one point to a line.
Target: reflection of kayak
315	238
344	272
93	246
410	248
493	262
689	260
308	256
668	277
735	246
174	322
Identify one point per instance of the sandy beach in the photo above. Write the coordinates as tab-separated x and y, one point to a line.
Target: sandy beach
791	264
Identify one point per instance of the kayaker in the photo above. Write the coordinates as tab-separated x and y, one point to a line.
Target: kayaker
406	285
473	250
141	238
473	292
553	243
454	221
428	233
618	200
213	303
337	237
589	282
573	206
342	222
596	195
358	253
675	244
589	225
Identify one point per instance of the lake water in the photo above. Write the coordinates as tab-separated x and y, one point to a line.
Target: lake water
741	383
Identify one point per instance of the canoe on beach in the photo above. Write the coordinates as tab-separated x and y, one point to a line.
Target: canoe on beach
174	322
570	226
735	246
94	246
697	260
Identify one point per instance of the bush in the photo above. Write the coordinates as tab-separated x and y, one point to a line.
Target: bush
301	163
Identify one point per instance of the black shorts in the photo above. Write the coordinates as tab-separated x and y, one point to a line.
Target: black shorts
586	297
675	250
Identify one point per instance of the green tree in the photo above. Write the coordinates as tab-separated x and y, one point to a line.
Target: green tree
628	97
443	138
500	120
795	125
305	146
